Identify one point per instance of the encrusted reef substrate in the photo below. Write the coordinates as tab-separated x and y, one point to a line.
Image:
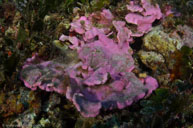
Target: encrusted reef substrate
103	77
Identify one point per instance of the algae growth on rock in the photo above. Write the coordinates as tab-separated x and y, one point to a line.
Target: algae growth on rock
62	61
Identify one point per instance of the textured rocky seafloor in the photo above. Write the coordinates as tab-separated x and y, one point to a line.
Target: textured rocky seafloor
96	64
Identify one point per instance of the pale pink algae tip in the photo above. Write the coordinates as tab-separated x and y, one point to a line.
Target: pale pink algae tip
148	14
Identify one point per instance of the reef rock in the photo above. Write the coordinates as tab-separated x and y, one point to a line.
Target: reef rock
159	41
151	59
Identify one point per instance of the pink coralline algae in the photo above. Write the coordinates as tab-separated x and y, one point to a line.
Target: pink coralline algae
48	75
107	81
146	15
187	35
103	79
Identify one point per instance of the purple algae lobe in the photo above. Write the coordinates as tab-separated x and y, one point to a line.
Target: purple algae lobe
48	76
